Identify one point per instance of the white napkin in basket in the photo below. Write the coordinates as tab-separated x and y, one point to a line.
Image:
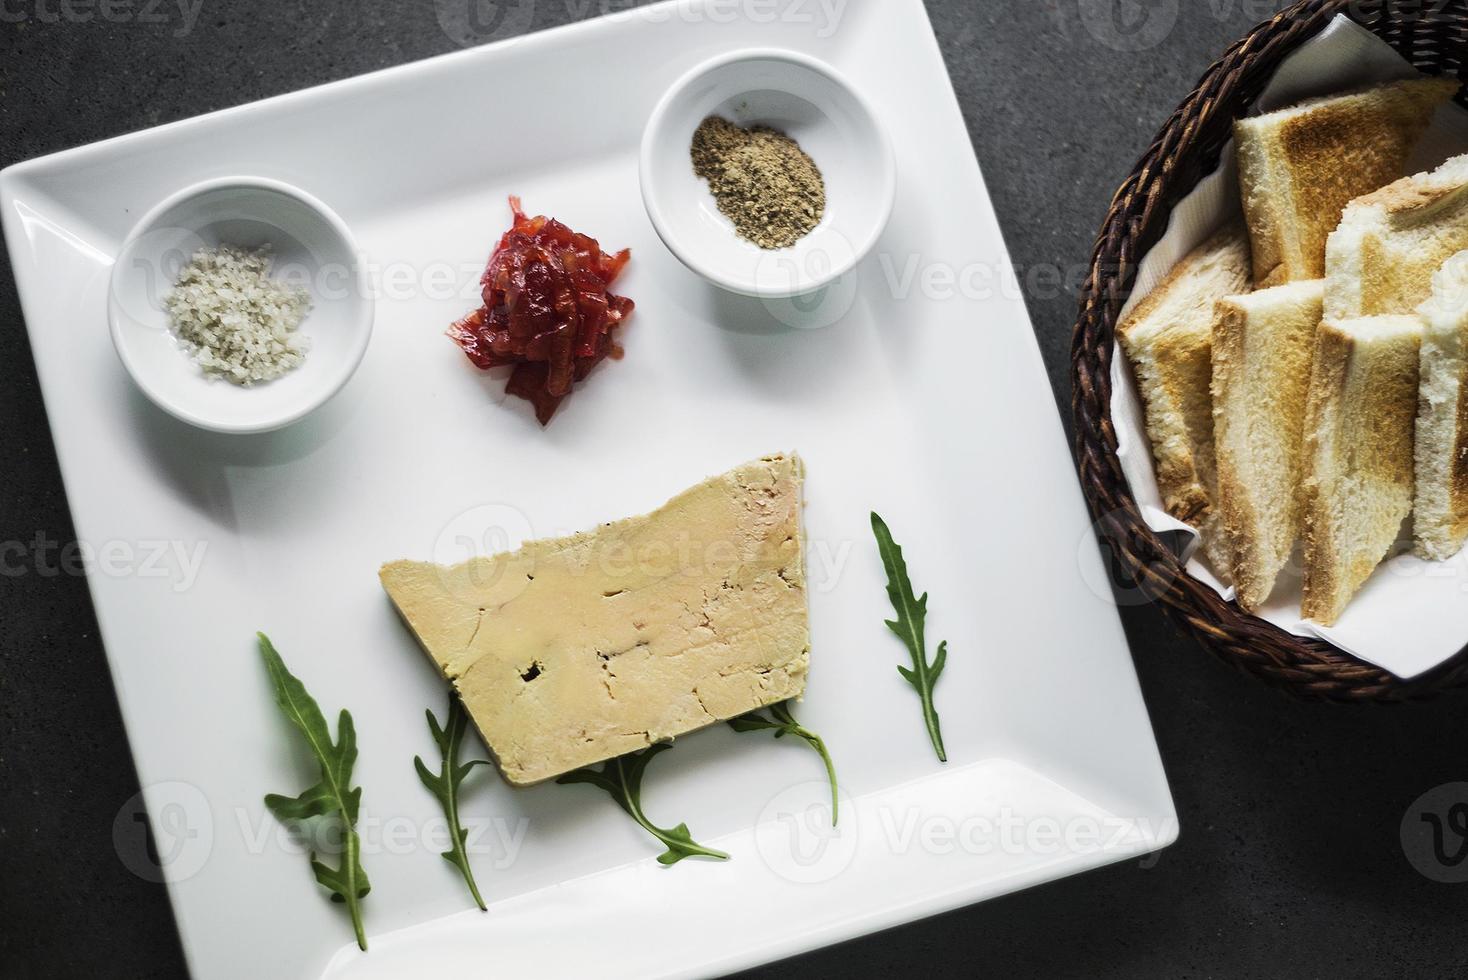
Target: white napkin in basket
1412	614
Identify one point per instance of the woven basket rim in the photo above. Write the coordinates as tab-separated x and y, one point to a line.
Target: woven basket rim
1186	149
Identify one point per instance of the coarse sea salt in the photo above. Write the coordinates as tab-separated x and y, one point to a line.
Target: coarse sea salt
234	319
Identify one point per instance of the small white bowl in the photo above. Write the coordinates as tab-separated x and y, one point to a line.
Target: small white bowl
310	247
808	101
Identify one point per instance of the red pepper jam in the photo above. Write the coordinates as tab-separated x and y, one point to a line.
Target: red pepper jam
547	310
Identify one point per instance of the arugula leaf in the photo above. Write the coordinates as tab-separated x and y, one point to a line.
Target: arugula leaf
332	795
911	614
445	785
784	723
622	778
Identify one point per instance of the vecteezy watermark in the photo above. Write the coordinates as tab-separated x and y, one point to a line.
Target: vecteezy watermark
1128	25
483	532
494	840
1120	579
900	277
821	17
796	839
1435	833
784	275
1131	26
43	556
934	279
182	838
185	834
158	258
495	530
471	22
183	13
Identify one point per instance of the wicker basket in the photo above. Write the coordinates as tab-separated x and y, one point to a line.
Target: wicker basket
1433	35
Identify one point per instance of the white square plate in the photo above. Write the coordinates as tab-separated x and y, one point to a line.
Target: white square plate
925	401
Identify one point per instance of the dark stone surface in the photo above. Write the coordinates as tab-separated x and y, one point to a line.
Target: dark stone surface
1290	862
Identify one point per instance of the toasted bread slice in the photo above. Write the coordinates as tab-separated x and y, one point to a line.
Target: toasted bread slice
1299	167
1169	339
1263	344
1382	257
1440	517
1359	454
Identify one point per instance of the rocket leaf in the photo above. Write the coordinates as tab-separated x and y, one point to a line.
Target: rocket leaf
333	795
445	785
784	723
622	778
908	626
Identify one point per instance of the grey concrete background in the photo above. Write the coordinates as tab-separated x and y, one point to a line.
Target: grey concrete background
1290	861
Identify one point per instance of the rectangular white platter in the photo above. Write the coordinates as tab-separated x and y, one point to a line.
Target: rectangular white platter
928	404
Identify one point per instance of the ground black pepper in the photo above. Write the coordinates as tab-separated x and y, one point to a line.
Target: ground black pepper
761	180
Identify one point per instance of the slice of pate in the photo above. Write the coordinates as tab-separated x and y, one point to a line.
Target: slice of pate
575	650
